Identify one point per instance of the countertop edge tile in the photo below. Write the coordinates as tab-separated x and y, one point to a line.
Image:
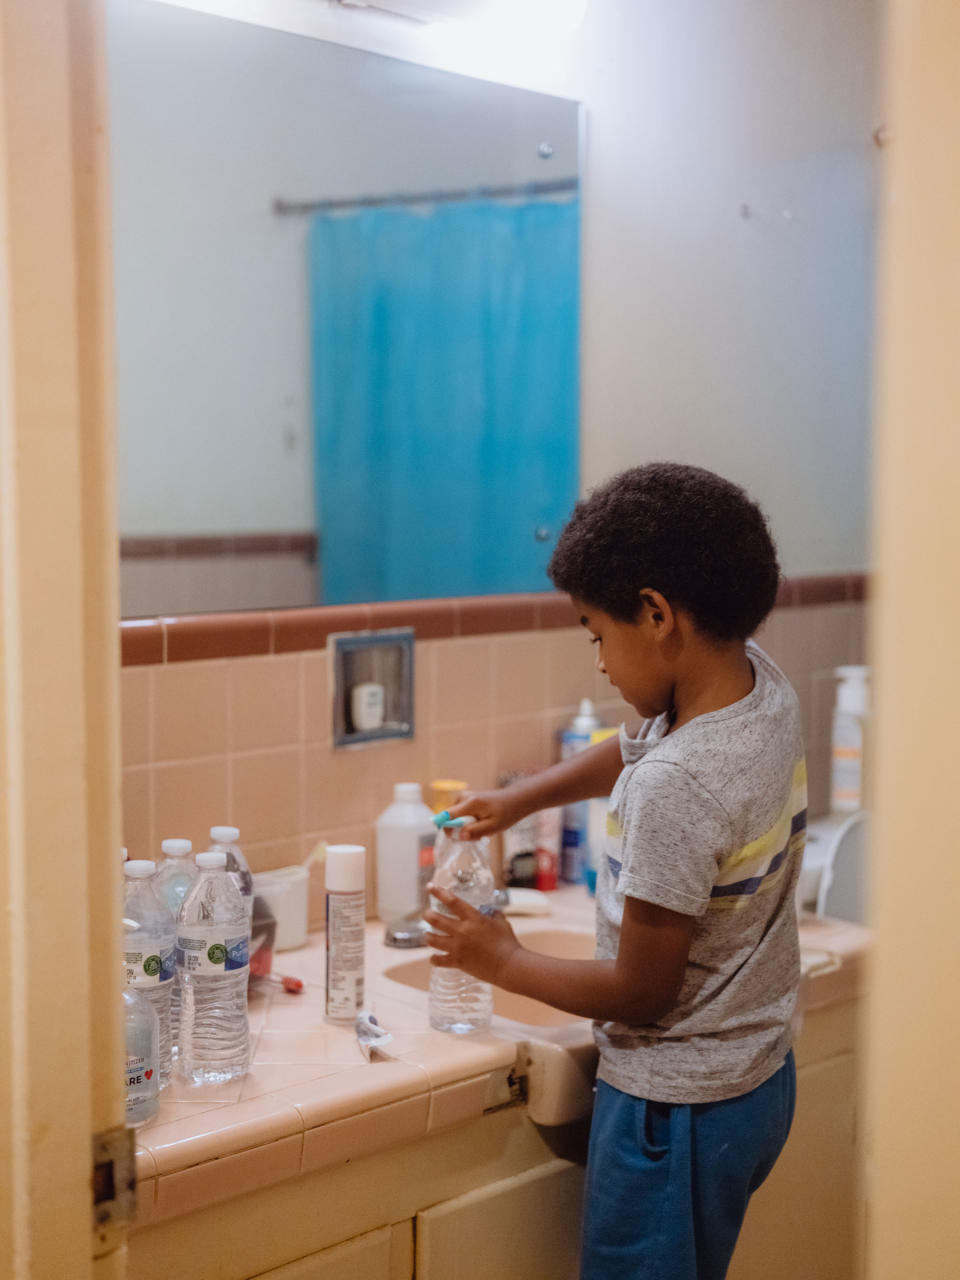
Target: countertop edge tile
143	1161
352	1092
365	1133
223	1131
472	1056
457	1103
225	1177
146	1211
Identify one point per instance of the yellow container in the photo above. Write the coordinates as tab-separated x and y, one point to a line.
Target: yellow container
444	792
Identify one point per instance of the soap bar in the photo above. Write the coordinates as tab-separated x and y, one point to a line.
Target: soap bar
527	902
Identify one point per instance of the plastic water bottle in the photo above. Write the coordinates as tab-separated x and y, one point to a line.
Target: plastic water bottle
405	840
142	1080
175	877
459	1003
149	948
227	840
176	873
573	847
213	961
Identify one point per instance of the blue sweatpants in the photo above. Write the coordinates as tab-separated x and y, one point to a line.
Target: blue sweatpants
668	1183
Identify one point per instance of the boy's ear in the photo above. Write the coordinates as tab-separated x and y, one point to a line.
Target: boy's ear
658	608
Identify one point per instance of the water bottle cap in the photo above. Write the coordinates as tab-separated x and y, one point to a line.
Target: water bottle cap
225	835
212	860
446	823
407	793
176	848
586	720
138	869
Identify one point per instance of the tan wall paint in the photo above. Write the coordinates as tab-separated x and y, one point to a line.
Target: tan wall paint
914	1038
60	1038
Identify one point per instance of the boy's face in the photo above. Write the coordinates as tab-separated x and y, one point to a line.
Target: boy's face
630	654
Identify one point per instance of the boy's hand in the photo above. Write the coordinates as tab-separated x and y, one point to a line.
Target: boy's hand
492	811
479	945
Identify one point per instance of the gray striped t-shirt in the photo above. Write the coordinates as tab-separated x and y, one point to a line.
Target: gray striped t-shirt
709	820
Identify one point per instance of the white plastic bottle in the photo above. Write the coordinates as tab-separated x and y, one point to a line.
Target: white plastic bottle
346	874
175	877
573	843
405	839
213	960
458	1002
149	948
227	840
142	1077
850	716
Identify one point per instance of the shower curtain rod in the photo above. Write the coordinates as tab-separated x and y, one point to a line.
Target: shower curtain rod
428	197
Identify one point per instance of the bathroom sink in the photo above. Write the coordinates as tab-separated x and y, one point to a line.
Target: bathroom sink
555	1051
567	943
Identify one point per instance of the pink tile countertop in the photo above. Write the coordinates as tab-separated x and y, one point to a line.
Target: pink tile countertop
311	1100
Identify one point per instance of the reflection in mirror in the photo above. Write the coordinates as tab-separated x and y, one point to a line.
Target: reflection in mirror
346	320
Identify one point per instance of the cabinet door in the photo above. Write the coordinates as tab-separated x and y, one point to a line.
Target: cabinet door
385	1254
522	1228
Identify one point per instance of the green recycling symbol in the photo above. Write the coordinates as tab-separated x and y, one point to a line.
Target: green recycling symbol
217	954
152	966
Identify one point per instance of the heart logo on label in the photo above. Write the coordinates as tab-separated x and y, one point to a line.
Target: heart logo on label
149	1073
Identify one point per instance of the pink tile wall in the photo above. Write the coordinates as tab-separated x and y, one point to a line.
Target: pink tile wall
248	740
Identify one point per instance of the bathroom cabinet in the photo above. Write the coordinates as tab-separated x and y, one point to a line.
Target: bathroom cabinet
430	1167
386	1254
356	1220
492	1197
805	1221
518	1228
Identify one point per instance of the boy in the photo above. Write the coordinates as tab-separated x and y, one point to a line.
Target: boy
671	569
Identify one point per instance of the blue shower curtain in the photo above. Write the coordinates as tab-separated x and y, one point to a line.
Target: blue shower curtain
445	384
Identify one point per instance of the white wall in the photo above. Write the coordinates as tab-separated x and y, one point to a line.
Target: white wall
737	343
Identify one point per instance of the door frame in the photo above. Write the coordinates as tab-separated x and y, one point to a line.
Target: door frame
60	1021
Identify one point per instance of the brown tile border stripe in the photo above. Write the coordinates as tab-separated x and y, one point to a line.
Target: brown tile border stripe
141	642
191	637
227	544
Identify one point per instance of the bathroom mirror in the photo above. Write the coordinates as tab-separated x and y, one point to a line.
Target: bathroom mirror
346	320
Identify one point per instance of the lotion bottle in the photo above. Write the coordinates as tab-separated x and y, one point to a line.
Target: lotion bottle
850	717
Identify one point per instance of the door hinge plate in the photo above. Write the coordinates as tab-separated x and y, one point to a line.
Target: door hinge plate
113	1184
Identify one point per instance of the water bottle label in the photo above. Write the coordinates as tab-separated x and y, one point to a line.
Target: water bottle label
141	1077
150	963
203	952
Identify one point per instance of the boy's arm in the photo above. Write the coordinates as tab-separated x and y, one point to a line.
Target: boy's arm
588	773
637	988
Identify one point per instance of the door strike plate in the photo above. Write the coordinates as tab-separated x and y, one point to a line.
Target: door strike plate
113	1185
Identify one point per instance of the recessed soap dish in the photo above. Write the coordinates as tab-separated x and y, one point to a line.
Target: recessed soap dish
372	685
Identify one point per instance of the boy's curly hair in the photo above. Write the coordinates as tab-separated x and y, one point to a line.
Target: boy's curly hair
683	531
